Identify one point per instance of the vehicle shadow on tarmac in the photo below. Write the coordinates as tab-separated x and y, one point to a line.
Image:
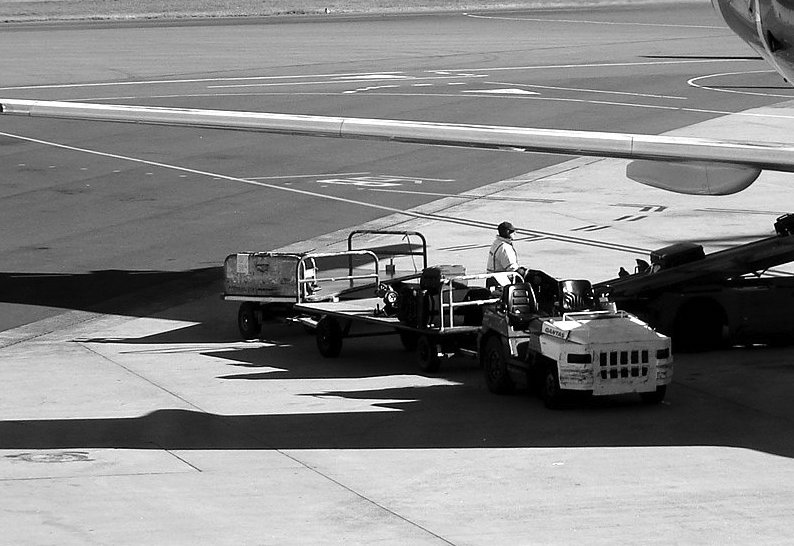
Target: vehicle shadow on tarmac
122	292
458	413
738	398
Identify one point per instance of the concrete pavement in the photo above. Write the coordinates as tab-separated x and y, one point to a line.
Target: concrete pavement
163	427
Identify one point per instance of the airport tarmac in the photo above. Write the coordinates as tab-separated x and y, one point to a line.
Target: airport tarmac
144	417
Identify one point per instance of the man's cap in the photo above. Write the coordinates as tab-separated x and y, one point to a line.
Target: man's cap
506	226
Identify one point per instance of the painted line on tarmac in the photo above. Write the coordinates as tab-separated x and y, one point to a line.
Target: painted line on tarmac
582	90
405	79
409	213
599	65
42	327
589	22
460	72
291	176
694	83
706	111
198	80
468	196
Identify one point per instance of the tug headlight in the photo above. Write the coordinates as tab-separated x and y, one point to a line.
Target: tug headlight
574	358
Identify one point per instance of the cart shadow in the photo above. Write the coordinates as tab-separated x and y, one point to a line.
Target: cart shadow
456	411
134	293
451	409
445	416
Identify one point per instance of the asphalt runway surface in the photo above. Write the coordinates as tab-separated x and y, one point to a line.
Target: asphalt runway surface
92	211
133	412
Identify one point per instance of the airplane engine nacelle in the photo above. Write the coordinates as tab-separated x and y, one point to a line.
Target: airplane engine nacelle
767	26
693	178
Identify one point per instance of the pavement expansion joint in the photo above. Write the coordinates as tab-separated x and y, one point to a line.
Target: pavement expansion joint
365	498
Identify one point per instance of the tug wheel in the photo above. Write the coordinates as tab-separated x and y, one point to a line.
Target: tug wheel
329	337
550	391
494	364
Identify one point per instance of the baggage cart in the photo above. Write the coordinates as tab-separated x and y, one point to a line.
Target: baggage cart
267	285
447	324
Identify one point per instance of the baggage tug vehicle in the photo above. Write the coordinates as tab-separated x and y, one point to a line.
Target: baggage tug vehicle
578	345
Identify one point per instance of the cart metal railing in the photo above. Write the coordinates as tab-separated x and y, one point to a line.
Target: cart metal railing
304	281
405	234
448	307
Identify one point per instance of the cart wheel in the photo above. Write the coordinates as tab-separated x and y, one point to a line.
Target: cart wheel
654	397
409	340
248	322
550	391
427	353
329	337
494	363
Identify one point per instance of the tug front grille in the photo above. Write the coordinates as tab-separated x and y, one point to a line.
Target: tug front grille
623	364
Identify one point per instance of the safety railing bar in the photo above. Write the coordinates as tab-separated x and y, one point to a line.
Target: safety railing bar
451	305
423	253
300	282
344	278
473	303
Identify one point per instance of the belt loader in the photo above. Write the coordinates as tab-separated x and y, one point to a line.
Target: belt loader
707	301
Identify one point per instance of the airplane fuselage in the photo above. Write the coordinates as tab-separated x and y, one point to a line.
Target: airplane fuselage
767	26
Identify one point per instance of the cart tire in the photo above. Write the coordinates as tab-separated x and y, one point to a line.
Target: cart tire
550	391
654	397
494	364
248	321
427	354
410	340
329	337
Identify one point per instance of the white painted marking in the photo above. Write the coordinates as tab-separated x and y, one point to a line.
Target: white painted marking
422	85
450	95
373	88
216	176
601	65
596	91
334	81
694	83
409	213
292	84
469	196
375	181
193	80
379	76
588	22
291	176
507	91
458	72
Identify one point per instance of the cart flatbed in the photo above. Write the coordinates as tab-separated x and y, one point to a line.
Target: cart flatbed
445	330
367	310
